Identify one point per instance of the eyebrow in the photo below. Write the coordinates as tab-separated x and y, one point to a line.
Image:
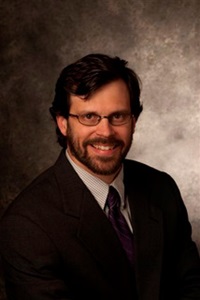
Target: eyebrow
112	113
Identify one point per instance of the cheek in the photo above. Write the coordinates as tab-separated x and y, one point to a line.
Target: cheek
79	132
125	133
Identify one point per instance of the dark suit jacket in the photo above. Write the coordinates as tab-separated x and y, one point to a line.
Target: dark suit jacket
57	243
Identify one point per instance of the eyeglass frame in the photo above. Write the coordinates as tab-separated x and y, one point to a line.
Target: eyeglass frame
109	117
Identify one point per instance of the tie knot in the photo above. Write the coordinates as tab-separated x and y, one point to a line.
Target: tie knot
113	199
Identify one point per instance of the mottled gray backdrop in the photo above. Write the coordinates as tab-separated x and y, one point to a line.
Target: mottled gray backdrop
161	41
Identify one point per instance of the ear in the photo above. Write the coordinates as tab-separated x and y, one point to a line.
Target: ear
134	124
62	124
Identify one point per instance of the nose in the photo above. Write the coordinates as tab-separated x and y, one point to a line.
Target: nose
104	128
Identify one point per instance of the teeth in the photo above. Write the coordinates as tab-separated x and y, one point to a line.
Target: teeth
101	147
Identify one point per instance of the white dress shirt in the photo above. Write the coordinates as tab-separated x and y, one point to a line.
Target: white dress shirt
99	188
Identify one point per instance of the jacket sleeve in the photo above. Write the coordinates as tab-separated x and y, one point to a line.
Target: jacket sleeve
31	264
181	256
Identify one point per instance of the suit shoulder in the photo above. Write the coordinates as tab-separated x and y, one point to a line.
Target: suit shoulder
139	166
44	182
39	192
142	172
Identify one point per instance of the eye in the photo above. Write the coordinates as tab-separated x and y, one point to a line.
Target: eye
118	116
89	116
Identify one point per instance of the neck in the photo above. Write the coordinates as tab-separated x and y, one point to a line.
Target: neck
106	178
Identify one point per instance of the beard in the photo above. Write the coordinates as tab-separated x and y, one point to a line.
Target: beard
98	164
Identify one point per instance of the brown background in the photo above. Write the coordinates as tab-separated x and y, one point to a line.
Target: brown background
159	38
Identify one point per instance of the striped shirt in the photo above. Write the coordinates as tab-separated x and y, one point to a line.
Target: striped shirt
99	188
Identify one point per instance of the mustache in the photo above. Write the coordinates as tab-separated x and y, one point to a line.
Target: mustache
104	141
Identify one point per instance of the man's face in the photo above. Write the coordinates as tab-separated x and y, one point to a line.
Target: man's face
99	149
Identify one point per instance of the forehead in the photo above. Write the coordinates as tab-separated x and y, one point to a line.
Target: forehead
110	97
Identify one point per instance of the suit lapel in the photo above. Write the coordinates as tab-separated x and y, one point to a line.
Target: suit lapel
147	226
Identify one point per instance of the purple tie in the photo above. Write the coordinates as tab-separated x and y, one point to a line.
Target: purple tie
119	223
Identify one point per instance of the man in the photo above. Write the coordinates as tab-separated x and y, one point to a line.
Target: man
61	239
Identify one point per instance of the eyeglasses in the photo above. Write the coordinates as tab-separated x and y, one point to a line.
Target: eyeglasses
92	119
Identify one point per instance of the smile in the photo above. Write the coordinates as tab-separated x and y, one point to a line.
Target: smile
103	147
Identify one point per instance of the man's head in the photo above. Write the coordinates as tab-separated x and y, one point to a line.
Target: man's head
88	74
96	106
